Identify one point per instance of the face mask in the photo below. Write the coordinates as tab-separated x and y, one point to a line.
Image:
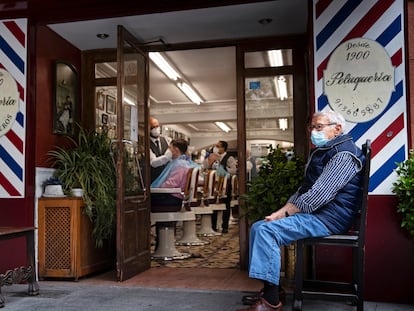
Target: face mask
215	150
318	138
155	132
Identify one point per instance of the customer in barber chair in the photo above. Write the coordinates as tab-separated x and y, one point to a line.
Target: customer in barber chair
174	175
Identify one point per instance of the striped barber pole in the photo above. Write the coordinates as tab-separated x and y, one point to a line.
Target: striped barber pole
337	21
13	51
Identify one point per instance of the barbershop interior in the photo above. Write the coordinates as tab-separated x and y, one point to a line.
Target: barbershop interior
241	77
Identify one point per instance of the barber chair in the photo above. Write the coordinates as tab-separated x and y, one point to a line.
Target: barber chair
189	236
210	197
166	220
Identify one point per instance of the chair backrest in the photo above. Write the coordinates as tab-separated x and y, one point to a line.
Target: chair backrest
188	182
211	186
234	187
222	186
187	189
193	200
361	216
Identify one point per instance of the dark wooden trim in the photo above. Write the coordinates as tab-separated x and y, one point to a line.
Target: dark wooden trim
51	11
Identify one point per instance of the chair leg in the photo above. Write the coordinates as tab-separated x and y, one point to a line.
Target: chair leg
297	296
358	275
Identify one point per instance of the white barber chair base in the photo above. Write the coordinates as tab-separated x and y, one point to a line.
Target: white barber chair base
189	235
166	249
206	226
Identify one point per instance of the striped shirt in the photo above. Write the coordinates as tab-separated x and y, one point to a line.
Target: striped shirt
336	174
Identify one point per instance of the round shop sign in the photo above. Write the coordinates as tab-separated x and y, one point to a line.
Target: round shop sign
9	101
359	79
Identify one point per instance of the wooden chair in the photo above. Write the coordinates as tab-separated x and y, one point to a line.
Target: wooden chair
165	248
352	291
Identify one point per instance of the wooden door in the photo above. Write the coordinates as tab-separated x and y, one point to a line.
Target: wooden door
132	159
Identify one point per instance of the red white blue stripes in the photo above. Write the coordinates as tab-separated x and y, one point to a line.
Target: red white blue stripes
336	21
13	52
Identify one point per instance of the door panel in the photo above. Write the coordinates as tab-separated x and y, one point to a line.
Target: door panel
133	208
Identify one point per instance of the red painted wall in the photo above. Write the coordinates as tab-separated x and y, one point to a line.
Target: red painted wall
50	47
39	137
389	255
389	267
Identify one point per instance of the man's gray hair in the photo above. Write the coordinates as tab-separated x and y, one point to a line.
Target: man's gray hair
333	117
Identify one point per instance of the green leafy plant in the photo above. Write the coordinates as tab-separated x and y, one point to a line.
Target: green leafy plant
278	178
403	187
88	165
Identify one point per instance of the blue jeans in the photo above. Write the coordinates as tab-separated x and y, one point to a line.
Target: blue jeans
266	238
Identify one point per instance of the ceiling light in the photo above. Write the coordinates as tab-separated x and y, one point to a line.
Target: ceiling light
223	126
102	36
275	58
190	93
283	124
164	66
129	101
172	74
281	87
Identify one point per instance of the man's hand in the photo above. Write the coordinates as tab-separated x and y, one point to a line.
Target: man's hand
168	154
288	209
275	215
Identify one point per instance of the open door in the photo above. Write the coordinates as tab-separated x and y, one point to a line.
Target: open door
131	152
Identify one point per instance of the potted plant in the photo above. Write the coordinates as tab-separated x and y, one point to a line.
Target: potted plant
88	165
403	187
279	177
52	187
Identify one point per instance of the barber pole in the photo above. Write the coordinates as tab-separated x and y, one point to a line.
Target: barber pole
13	51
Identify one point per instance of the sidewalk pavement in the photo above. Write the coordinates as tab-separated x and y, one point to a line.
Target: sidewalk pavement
65	296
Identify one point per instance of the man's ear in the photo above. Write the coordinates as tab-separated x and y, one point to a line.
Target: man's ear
338	128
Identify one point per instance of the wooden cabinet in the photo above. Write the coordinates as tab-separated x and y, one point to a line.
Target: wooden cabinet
66	246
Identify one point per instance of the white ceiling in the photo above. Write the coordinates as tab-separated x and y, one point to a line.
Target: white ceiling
212	72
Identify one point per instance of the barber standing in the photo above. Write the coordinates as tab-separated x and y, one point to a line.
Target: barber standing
160	155
220	160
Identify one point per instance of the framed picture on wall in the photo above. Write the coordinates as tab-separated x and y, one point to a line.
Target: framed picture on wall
66	102
100	100
110	104
104	118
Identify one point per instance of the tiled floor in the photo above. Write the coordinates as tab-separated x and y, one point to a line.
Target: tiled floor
213	267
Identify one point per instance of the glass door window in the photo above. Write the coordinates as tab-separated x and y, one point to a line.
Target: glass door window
268	105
